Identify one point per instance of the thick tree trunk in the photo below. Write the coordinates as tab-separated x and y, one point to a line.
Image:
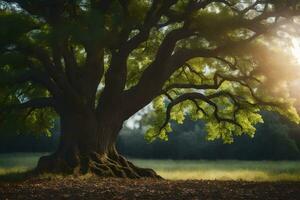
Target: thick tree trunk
89	147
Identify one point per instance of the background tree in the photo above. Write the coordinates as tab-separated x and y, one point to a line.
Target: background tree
96	62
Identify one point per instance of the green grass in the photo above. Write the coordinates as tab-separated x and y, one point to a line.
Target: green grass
12	165
225	170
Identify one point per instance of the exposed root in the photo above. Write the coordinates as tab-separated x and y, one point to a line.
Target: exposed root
114	165
118	166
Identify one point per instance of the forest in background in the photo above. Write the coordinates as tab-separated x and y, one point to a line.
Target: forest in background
275	139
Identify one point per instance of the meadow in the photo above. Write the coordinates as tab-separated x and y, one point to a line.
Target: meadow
184	169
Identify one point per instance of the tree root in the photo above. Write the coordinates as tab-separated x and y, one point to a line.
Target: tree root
113	165
118	166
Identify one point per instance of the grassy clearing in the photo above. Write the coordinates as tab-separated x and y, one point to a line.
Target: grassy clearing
226	170
12	165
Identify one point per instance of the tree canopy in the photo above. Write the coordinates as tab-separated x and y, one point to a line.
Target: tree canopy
220	61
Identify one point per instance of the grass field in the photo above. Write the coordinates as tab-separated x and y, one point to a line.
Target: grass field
184	169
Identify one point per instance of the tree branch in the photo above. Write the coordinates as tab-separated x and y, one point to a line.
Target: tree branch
198	96
215	85
158	8
53	70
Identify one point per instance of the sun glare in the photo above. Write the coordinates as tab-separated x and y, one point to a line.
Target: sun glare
296	49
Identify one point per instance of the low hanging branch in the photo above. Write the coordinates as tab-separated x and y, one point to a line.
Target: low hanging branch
199	96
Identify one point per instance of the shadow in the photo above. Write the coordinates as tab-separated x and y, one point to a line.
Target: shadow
16	176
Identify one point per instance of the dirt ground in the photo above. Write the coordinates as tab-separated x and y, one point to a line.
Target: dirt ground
113	189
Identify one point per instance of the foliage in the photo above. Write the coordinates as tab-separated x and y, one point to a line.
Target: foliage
215	61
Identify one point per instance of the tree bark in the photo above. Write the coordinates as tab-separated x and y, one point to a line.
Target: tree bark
87	146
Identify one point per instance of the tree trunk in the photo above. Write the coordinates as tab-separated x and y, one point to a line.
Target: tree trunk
87	146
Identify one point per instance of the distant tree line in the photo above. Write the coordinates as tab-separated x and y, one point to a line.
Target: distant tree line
276	139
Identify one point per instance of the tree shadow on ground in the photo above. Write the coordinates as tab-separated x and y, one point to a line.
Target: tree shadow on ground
12	177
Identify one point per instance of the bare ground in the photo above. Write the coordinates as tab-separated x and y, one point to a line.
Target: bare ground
122	189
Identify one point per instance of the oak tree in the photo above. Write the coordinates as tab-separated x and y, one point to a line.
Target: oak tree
95	63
